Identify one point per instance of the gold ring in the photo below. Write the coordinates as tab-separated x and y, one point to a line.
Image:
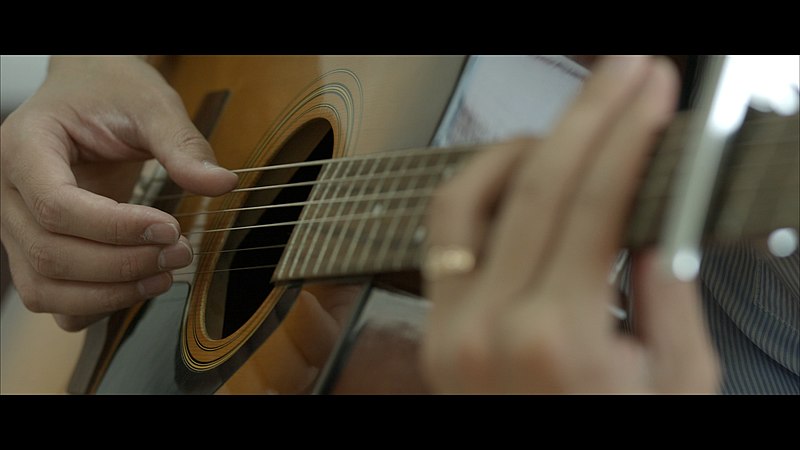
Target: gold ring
447	260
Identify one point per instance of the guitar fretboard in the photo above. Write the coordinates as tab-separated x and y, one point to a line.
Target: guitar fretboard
366	214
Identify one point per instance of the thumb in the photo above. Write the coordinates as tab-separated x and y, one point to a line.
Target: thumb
671	325
185	154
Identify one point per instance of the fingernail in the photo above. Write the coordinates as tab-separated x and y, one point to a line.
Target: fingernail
175	256
208	165
162	233
152	286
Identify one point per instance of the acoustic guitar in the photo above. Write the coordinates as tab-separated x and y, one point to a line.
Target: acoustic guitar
306	278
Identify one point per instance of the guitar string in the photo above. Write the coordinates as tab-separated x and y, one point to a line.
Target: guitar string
384	156
395	213
676	131
421	171
399	195
415	213
354	198
651	177
365	198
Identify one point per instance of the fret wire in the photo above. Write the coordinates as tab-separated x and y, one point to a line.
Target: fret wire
777	207
328	193
309	213
376	225
344	210
383	248
348	258
743	202
412	226
321	256
408	231
296	239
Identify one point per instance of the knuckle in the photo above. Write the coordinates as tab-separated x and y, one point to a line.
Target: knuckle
116	230
48	213
188	140
46	260
129	268
108	300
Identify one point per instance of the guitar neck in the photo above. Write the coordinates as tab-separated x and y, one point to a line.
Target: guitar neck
366	214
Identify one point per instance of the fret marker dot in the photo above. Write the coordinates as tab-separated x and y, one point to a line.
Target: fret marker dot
419	234
377	209
782	242
686	265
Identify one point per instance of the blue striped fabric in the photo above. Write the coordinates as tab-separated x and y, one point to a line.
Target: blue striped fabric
751	300
752	308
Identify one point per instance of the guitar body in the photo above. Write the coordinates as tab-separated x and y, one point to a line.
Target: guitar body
225	327
240	319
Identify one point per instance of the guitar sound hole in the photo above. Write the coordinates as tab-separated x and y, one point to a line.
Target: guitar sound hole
250	256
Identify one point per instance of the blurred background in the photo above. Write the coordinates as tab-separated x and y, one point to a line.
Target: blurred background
25	335
20	76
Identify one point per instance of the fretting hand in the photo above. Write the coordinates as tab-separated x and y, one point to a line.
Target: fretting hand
520	248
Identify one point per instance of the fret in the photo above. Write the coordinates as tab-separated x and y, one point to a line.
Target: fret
650	204
759	191
746	183
348	258
782	214
383	255
367	214
309	213
322	255
379	211
331	191
414	233
344	205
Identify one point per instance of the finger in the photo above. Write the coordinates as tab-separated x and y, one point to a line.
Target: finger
671	325
460	210
311	329
77	298
456	333
599	209
545	181
186	155
70	258
40	294
42	176
76	323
